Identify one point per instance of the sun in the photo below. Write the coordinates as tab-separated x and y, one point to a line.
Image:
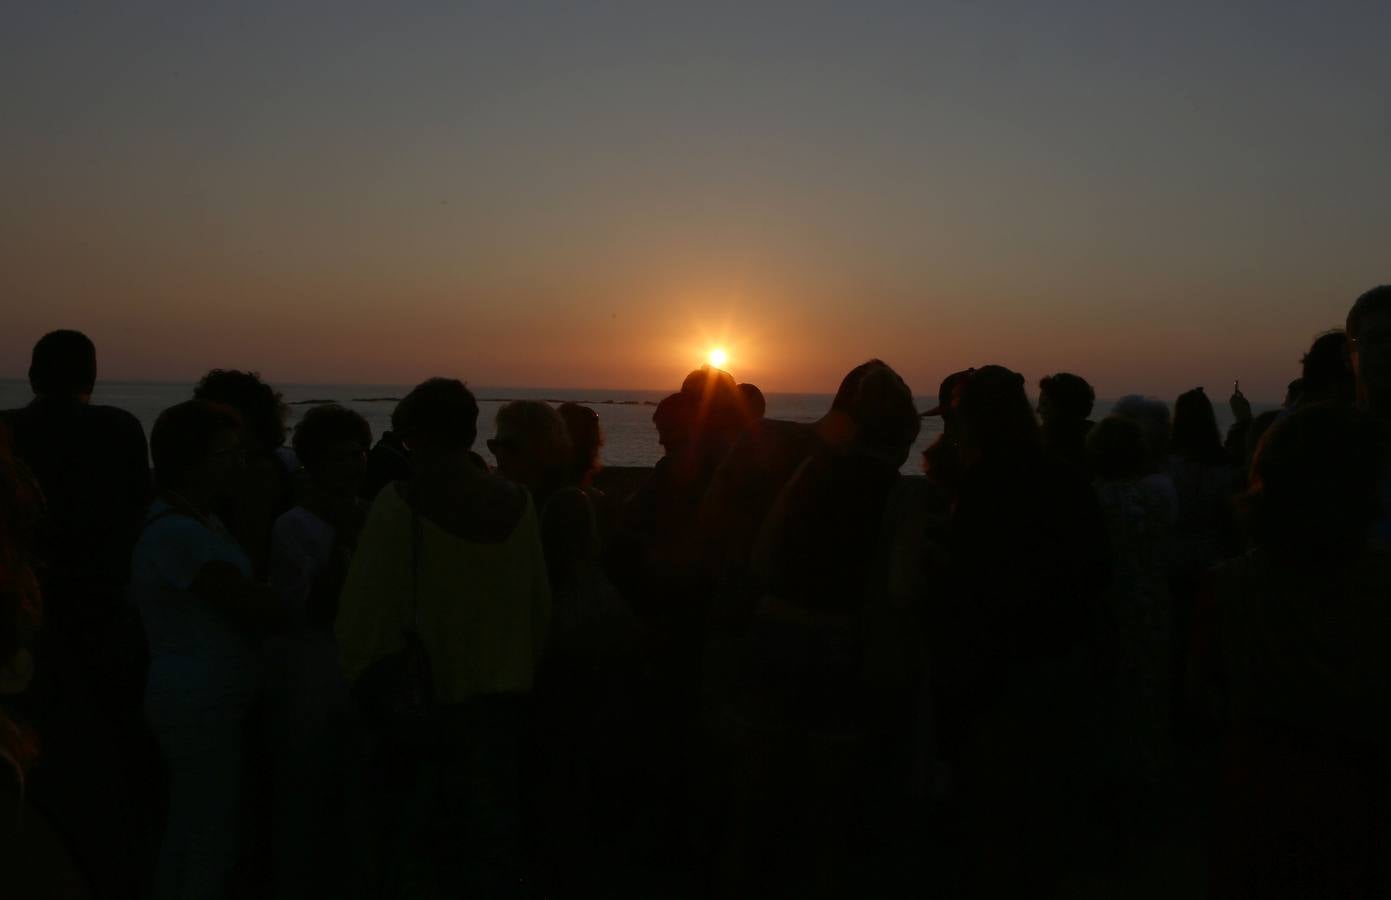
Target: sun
717	357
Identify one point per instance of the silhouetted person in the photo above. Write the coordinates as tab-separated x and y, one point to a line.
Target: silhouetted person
719	413
941	462
586	439
800	698
752	474
674	420
1327	372
93	468
1015	650
1065	407
456	553
1136	638
1292	392
388	461
532	447
205	615
755	405
307	705
265	489
1295	639
1204	481
1369	343
1153	418
312	542
581	724
659	520
654	560
534	450
834	503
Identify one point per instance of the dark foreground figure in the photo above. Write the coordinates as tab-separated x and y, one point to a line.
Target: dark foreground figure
1108	653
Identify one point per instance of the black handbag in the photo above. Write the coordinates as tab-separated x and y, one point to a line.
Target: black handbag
397	692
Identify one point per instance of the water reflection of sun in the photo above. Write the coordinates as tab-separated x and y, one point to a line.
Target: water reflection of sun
717	357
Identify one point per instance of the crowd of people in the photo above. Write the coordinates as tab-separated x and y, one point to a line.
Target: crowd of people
342	667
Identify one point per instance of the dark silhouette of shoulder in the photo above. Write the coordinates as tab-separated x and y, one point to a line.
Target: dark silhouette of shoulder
92	464
484	509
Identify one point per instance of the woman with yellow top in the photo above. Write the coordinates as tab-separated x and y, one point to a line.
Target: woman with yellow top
480	601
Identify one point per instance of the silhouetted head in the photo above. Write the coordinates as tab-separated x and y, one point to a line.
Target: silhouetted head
197	450
717	407
708	380
1064	398
675	421
1195	434
1369	342
261	407
1327	370
1292	392
997	422
331	442
1315	483
755	406
438	417
64	364
850	384
586	437
1151	415
532	445
1117	450
949	394
836	427
885	419
948	398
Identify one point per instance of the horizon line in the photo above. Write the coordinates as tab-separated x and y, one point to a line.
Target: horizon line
479	387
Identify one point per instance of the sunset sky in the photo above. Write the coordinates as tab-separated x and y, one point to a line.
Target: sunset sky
592	194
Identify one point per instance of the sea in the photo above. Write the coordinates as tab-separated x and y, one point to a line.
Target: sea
630	439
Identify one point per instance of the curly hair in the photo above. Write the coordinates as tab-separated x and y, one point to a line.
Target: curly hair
261	407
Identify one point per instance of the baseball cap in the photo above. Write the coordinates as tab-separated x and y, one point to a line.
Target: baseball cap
947	392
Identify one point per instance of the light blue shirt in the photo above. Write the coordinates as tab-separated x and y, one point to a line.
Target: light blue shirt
198	656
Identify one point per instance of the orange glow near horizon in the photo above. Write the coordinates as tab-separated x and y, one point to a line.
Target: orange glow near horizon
600	197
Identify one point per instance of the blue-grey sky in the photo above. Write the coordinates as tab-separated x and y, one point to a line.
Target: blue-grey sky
589	194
